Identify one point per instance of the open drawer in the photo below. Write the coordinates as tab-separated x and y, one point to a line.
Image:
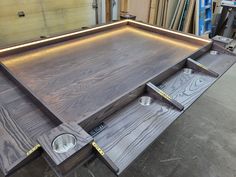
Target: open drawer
108	91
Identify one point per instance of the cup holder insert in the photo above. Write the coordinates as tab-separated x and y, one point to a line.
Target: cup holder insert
63	143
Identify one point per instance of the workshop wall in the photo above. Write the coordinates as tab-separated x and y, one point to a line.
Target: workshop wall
42	18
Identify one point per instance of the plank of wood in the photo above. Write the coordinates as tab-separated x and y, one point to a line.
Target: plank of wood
183	15
196	18
215	62
175	15
153	12
124	6
159	94
199	67
166	4
172	6
160	13
189	16
178	15
140	9
20	123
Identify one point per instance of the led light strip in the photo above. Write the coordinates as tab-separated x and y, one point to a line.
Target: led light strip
96	28
170	31
61	36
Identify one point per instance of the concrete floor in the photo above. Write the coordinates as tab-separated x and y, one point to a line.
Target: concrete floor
201	143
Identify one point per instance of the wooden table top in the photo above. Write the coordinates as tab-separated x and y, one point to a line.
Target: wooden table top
78	77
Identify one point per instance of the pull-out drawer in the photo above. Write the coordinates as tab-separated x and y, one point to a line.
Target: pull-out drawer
132	129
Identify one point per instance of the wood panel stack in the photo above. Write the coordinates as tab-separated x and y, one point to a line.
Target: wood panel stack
173	14
181	15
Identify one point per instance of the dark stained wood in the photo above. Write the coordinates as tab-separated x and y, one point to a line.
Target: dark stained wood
159	94
64	162
199	67
106	159
219	63
20	123
132	129
82	138
107	66
85	80
14	143
108	11
39	102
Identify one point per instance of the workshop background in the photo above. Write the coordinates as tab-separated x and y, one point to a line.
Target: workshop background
190	147
27	20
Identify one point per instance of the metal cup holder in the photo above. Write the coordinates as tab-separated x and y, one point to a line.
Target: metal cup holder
214	52
145	100
63	143
188	71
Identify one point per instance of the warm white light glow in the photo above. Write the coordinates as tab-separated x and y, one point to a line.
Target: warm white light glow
61	36
100	27
170	31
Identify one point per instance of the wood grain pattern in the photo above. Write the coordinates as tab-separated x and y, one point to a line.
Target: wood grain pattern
219	63
20	123
14	143
134	128
68	78
82	139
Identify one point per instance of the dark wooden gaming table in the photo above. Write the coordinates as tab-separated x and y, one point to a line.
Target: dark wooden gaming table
107	92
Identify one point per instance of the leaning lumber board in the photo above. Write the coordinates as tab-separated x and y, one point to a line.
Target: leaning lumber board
183	15
153	12
20	124
189	16
172	6
178	15
160	13
175	15
87	87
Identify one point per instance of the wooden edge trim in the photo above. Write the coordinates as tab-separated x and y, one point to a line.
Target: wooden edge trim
40	103
172	33
199	67
110	164
160	94
60	38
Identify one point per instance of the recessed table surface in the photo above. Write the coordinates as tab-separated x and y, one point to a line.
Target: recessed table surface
76	78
